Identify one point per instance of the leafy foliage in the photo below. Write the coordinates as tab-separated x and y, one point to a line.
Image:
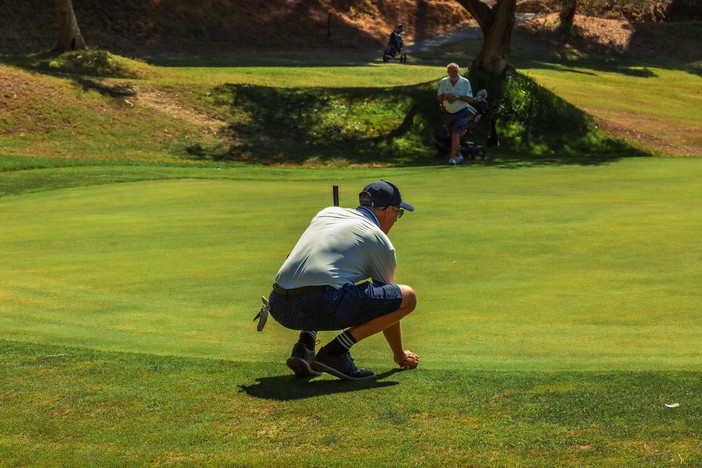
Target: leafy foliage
356	124
533	119
376	125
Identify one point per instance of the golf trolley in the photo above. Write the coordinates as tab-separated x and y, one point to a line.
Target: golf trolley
394	46
390	53
468	148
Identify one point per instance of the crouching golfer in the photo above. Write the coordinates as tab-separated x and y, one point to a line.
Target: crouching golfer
321	285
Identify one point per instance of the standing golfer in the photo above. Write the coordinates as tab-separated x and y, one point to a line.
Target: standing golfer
322	285
456	96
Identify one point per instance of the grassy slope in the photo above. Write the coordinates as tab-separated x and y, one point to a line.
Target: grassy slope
167	114
650	98
74	116
116	120
671	125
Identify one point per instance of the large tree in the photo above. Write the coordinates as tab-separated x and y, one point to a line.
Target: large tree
567	16
496	19
69	36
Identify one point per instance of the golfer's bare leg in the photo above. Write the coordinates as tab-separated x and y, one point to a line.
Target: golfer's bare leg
455	139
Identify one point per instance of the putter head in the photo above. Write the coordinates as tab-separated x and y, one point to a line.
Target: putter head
262	315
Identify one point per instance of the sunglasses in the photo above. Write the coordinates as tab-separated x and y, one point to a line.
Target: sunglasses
400	211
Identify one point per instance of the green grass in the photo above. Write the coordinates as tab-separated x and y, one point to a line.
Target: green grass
619	97
652	99
558	314
77	117
558	303
367	73
328	110
339	108
113	409
583	253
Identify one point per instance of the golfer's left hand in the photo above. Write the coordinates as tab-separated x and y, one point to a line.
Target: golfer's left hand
408	360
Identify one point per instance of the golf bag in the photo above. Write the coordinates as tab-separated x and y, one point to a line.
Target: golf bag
394	46
469	149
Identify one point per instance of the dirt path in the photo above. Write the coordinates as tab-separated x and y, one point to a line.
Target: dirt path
472	31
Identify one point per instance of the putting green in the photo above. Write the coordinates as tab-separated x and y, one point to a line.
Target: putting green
547	268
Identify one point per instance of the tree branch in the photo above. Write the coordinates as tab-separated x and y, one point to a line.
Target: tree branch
481	12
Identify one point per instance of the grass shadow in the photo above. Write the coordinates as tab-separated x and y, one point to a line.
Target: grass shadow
113	90
394	126
289	387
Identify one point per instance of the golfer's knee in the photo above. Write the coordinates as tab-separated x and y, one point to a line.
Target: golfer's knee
409	298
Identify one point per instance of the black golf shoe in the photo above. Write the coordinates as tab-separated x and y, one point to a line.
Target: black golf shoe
341	366
299	361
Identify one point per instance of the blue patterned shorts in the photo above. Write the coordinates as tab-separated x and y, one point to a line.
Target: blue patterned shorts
459	121
329	308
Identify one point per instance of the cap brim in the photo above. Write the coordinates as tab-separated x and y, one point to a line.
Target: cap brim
406	206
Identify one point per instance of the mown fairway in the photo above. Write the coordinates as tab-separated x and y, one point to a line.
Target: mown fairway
552	268
558	315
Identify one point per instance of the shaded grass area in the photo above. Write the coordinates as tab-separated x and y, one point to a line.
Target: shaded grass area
649	97
397	125
671	46
116	409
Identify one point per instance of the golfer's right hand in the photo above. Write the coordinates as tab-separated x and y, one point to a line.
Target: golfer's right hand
408	360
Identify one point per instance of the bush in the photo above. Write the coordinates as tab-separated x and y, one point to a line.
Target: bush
359	125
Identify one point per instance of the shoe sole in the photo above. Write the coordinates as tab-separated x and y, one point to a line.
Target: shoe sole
301	368
337	373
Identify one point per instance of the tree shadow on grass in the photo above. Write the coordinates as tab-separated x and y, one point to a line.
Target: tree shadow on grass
289	387
393	126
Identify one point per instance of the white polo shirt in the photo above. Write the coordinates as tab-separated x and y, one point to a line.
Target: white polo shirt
340	246
461	88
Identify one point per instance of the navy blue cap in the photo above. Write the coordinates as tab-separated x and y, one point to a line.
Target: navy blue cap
382	193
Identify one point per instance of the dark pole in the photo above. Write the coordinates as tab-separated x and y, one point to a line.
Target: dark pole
335	194
329	12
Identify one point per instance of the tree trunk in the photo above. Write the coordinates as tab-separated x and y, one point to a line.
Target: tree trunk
69	36
496	23
567	16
